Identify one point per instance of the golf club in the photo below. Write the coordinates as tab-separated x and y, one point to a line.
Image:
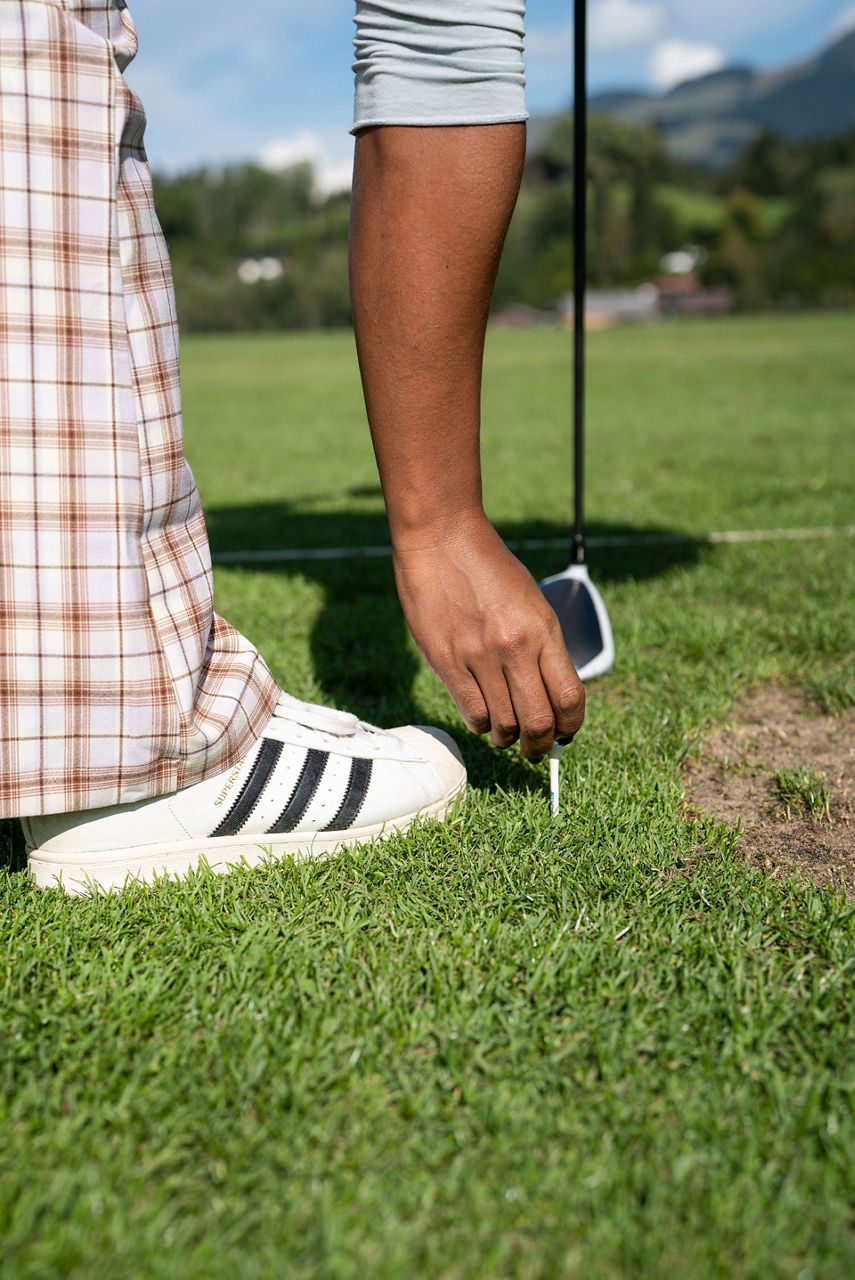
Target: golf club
579	605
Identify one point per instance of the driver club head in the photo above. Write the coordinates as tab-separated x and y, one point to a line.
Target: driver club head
584	621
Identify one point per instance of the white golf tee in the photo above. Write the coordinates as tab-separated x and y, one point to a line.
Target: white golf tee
554	796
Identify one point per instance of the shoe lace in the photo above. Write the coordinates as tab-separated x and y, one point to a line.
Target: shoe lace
328	722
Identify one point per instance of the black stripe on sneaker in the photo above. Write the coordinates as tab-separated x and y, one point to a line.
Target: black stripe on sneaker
354	797
247	797
307	784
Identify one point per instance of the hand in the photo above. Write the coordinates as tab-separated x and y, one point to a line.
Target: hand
486	631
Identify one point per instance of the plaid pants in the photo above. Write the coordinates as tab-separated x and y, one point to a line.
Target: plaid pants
117	680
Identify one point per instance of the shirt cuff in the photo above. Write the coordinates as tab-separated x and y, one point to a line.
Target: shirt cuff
439	62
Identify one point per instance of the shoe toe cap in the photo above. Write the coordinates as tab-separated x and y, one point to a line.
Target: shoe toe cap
440	749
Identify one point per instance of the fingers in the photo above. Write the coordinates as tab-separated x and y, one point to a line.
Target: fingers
504	704
469	701
533	712
504	721
564	688
539	697
487	632
549	702
534	696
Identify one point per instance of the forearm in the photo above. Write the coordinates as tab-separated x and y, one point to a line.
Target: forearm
430	212
431	206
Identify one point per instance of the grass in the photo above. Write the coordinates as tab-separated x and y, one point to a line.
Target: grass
596	1047
803	791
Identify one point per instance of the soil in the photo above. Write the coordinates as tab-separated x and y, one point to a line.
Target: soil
733	779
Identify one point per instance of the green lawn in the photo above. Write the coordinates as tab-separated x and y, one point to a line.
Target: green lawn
592	1047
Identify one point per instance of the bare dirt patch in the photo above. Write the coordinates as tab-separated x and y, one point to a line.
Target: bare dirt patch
744	774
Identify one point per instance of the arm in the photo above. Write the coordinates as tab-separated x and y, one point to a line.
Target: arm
430	211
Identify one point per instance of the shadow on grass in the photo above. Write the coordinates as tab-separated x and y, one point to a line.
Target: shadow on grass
360	648
13	855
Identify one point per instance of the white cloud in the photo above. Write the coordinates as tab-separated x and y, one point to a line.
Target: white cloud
618	25
843	23
735	22
676	60
614	26
333	173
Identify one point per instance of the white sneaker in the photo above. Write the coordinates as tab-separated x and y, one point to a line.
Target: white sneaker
315	781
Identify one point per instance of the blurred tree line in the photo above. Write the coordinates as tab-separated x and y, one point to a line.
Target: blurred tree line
216	220
778	227
788	235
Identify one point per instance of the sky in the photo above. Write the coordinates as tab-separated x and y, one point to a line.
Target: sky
270	80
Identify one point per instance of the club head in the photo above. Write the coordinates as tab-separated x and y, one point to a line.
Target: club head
584	621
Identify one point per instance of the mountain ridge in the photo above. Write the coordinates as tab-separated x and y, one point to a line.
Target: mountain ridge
708	120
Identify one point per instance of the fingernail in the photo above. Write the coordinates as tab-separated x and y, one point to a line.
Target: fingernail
566	740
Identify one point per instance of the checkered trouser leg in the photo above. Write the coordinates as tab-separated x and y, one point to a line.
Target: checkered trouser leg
117	679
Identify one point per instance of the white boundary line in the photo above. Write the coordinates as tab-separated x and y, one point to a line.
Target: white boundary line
288	554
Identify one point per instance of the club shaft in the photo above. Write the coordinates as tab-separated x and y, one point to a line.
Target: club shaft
580	186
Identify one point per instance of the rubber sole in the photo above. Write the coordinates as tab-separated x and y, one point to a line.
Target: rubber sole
117	869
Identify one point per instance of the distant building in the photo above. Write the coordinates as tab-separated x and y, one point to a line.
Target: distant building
680	290
605	308
516	315
684	295
677	292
